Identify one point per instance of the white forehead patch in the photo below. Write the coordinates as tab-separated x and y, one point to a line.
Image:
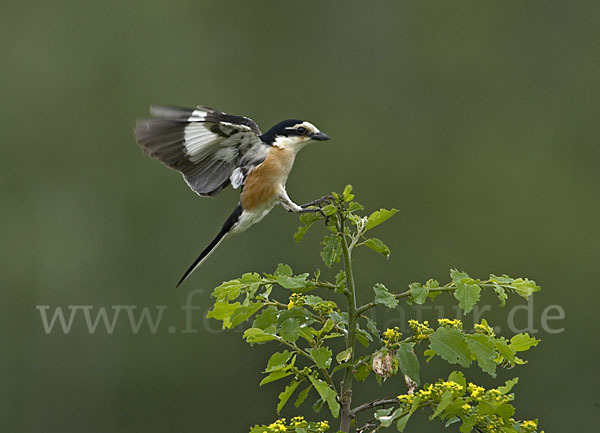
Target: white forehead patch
311	128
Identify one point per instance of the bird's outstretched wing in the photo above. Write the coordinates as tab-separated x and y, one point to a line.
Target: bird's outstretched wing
210	148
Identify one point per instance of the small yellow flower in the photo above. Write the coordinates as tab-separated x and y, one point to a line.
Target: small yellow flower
406	398
475	390
422	331
466	406
295	299
484	328
447	323
530	424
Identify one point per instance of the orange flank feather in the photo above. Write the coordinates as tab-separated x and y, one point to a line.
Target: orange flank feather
264	183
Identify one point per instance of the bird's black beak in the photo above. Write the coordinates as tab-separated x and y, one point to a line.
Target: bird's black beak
320	136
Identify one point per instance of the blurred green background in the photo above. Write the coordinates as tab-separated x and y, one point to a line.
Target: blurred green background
477	120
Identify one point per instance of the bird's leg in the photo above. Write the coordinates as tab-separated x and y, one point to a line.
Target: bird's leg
289	205
318	202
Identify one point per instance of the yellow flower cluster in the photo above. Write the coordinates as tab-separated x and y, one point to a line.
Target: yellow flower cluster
392	336
484	328
478	393
470	404
299	422
448	323
277	426
432	392
323	425
295	299
529	426
475	390
325	307
422	330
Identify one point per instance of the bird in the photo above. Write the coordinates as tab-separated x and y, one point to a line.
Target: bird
213	149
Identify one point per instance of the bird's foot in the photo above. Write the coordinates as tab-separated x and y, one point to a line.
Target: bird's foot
318	202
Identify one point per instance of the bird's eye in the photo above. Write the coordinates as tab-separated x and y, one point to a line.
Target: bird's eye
301	130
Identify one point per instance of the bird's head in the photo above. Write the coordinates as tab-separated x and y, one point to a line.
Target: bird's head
293	134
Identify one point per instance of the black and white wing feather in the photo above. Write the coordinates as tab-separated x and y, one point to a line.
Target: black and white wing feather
210	148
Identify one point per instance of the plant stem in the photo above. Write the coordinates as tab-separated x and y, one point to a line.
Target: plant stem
447	288
298	350
375	403
346	385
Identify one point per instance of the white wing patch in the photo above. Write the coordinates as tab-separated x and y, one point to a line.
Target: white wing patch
199	141
197	116
237	178
210	148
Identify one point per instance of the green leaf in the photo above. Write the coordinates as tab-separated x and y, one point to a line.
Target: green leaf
501	293
332	250
378	217
522	342
289	330
340	280
443	404
327	327
429	353
505	410
450	345
384	297
525	287
467	295
318	405
308	219
503	347
362	372
283	270
302	396
312	300
402	421
408	361
372	328
321	356
484	349
266	320
275	375
285	395
228	290
327	394
458	276
385	417
329	210
347	194
308	333
378	246
355	207
223	310
343	356
467	424
363	338
502	280
278	360
244	313
450	421
401	424
508	386
418	293
257	335
297	282
458	377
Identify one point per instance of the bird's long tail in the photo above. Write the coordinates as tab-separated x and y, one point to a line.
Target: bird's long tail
227	226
